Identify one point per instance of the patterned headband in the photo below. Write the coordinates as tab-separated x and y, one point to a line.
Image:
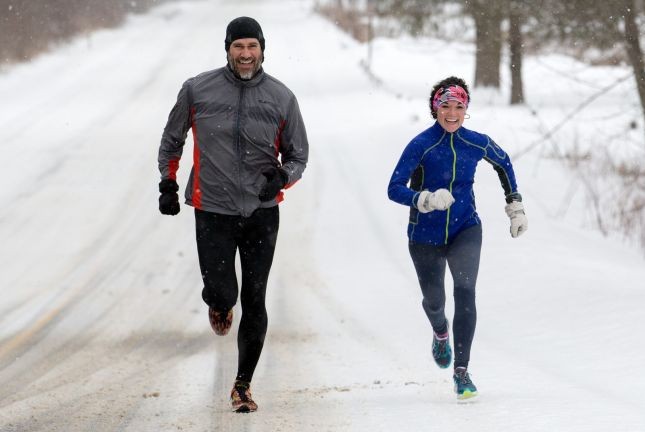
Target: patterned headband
445	94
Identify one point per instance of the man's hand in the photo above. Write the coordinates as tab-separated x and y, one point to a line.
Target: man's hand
440	199
276	179
168	200
519	222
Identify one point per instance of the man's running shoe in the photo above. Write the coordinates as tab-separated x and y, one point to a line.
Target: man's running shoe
464	386
241	400
220	321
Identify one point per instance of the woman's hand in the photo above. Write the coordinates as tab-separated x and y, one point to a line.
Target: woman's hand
440	199
519	222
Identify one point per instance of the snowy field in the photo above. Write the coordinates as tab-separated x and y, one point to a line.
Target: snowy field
102	327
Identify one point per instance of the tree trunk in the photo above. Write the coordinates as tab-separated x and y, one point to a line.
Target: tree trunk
515	48
633	47
488	51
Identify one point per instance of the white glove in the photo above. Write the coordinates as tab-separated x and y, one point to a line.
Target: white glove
519	222
440	199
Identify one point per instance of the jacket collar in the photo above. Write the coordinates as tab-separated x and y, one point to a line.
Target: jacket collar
257	79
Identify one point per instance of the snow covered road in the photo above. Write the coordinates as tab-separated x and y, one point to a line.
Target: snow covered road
102	327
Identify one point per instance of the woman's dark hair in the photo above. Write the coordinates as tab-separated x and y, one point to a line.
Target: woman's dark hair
453	80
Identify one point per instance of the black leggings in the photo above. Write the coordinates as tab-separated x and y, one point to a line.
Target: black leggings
218	238
462	255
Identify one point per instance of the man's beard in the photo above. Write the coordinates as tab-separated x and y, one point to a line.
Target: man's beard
244	75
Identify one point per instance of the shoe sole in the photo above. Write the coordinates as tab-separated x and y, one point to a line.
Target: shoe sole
221	333
244	409
466	395
446	366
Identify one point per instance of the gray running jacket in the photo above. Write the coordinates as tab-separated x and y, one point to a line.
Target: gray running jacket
240	129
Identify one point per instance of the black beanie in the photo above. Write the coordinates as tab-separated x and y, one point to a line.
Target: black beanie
241	28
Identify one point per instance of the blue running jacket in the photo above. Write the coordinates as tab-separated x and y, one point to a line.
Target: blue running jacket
437	159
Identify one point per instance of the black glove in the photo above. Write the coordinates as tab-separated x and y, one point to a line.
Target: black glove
276	179
168	200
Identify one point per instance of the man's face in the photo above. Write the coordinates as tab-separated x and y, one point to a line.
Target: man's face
245	57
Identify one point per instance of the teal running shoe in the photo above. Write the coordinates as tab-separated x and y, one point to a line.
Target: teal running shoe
464	386
441	351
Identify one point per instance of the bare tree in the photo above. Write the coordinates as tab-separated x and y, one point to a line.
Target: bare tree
602	25
30	27
516	19
488	16
412	15
634	51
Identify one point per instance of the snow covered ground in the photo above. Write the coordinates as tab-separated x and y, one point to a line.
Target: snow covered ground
102	326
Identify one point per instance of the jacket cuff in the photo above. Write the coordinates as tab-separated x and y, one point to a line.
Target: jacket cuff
415	200
284	175
514	196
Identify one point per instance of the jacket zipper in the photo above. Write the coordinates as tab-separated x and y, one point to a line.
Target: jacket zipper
454	171
239	151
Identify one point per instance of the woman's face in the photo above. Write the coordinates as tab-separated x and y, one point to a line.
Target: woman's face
450	115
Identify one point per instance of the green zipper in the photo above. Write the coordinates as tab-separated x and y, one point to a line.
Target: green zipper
454	172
